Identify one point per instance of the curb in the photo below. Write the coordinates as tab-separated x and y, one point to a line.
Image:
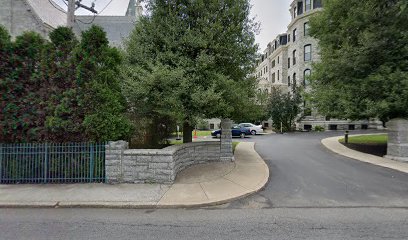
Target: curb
335	146
148	205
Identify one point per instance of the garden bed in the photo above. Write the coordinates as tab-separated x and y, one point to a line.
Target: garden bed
370	144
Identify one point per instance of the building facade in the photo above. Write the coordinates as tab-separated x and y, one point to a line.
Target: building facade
43	16
289	59
40	16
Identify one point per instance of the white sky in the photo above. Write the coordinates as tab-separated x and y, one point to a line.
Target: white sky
272	14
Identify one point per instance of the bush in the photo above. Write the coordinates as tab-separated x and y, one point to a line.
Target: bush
202	125
319	129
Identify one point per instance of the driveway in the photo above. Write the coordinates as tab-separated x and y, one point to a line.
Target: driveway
305	174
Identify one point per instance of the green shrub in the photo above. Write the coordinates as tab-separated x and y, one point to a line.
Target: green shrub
319	129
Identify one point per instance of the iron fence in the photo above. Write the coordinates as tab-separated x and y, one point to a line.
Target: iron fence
52	163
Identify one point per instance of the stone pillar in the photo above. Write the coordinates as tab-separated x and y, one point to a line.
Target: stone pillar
113	161
226	153
397	139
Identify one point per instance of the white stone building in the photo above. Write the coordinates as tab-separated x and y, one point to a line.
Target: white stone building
288	61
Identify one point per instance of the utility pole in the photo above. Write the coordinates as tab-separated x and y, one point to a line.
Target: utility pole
71	13
72	6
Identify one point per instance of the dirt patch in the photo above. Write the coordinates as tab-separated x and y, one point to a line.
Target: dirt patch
374	149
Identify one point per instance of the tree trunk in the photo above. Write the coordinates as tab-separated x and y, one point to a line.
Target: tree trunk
187	132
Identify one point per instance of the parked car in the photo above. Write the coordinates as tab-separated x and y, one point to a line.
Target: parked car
236	131
254	129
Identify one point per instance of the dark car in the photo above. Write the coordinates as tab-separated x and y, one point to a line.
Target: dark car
237	131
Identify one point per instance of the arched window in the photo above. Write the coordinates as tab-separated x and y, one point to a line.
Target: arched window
308	53
294	34
294	79
306	75
288	81
294	57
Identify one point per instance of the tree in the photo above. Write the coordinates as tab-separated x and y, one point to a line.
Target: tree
104	106
363	71
63	90
23	95
190	59
284	108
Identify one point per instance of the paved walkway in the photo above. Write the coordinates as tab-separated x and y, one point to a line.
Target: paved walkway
334	145
199	185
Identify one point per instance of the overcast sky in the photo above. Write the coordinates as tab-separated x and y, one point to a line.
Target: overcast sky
272	14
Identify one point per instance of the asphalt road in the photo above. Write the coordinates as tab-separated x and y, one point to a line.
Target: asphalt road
303	173
312	194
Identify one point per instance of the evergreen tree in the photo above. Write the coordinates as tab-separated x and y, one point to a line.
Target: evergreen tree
191	59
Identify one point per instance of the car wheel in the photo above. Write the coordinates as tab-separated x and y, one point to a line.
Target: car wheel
218	135
253	132
242	135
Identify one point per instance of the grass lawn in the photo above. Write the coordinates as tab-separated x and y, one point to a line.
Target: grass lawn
203	133
200	133
234	145
368	139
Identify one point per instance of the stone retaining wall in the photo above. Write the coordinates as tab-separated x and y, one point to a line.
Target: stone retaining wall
124	165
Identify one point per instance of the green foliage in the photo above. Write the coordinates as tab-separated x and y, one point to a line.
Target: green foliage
191	59
364	59
63	90
202	124
319	129
284	108
367	139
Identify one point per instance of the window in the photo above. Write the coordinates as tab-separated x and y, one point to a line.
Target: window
294	57
288	37
278	59
278	75
308	53
273	77
294	12
288	81
288	62
317	4
308	5
266	68
273	63
307	26
294	80
306	75
294	34
300	8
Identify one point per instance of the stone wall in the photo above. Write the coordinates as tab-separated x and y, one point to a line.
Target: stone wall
397	148
125	165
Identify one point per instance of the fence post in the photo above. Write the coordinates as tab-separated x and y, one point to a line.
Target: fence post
45	163
1	162
91	163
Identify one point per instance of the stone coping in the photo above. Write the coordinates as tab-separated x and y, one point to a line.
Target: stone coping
170	150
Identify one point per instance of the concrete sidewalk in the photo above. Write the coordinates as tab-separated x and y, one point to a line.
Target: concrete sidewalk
199	185
334	145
